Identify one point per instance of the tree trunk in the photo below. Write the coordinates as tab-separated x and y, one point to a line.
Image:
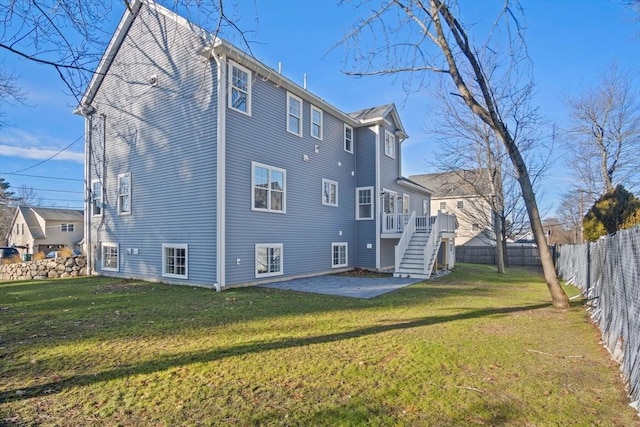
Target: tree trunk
497	229
558	296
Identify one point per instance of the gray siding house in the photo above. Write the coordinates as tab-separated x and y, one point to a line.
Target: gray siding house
206	167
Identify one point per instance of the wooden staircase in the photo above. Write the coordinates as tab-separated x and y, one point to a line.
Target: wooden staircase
413	261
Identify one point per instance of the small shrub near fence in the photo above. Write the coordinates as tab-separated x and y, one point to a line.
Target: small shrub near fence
516	255
608	274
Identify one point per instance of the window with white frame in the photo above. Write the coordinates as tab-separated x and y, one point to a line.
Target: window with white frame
67	228
269	188
389	144
339	255
124	193
294	114
425	208
348	138
460	204
329	192
96	197
269	259
175	260
389	201
364	203
110	257
443	206
405	203
316	122
240	84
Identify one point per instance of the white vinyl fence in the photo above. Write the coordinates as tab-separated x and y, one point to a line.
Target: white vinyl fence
608	273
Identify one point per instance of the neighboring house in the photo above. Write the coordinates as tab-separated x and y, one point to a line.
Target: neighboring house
35	230
208	168
463	193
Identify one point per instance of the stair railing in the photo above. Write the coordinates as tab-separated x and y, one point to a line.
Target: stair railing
403	244
433	243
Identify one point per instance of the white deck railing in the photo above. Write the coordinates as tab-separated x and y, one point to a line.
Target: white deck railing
396	223
403	244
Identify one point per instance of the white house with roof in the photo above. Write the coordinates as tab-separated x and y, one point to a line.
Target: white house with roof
206	167
465	194
34	230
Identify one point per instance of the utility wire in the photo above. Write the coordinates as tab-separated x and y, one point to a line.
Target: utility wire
41	176
47	159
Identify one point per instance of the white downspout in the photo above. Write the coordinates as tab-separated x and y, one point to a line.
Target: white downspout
221	172
376	130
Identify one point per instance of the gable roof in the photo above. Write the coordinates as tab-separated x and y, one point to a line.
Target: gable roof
378	114
460	183
217	45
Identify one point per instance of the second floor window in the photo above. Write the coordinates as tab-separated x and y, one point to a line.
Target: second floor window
240	93
96	196
329	192
67	228
460	204
316	122
269	188
124	193
294	114
364	199
389	144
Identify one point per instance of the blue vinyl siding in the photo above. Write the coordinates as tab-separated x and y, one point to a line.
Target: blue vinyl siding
165	136
308	228
365	151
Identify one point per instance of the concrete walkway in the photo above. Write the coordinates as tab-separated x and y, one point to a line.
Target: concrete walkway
346	286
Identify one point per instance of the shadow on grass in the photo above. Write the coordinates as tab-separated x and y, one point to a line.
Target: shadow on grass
173	361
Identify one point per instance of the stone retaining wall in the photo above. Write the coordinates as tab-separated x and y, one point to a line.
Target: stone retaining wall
45	269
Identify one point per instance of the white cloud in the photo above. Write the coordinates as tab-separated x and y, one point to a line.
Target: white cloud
18	143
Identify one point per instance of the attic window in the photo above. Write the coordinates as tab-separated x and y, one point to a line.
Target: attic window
389	144
240	88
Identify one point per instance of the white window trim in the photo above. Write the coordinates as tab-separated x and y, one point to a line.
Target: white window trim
358	217
425	207
102	264
320	125
120	211
346	254
186	260
93	198
352	140
328	202
460	204
289	97
253	193
442	208
406	203
233	65
67	227
267	246
389	144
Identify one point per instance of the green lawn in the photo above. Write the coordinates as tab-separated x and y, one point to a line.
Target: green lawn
472	348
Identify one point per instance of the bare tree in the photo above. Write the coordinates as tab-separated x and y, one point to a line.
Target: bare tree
467	143
605	137
70	36
27	196
403	34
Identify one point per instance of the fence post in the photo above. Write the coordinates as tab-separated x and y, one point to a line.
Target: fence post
588	284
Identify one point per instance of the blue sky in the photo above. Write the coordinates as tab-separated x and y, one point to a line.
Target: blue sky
570	43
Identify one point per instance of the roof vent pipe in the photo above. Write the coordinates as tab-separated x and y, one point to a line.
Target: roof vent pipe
279	67
304	79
